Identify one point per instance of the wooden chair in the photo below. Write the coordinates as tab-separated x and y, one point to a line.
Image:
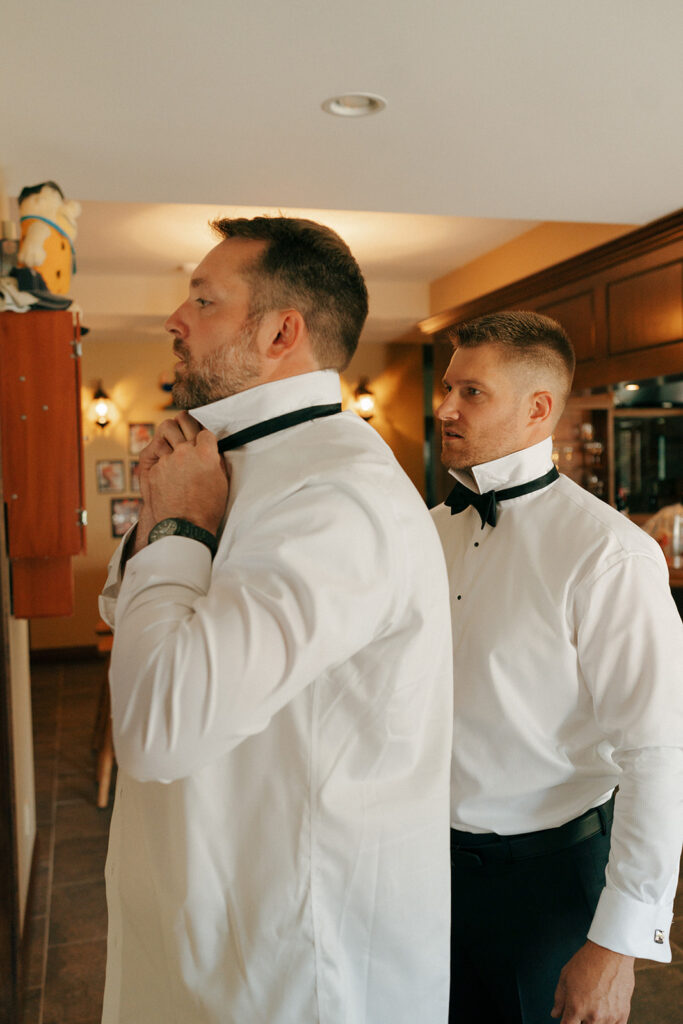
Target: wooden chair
103	741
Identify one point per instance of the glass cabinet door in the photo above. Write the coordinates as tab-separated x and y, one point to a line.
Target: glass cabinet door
648	459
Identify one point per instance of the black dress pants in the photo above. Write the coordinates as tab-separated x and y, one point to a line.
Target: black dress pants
516	921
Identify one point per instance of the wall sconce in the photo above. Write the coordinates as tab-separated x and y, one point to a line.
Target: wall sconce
102	410
364	400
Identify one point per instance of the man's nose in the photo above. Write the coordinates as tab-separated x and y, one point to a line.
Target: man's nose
174	322
448	410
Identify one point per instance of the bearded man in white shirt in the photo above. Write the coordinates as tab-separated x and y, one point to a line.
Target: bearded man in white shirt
568	653
281	675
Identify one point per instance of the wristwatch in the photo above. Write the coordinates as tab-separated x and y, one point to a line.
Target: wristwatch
183	528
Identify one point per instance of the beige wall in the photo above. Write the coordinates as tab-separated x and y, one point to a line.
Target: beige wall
535	250
130	372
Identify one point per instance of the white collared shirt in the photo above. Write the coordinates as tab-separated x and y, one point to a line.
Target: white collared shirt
296	696
568	656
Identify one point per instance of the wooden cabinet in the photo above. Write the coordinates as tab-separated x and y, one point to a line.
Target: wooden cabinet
42	458
621	304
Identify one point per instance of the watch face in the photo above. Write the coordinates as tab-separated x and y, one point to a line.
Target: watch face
165	528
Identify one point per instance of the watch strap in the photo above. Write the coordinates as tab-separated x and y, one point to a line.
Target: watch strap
173	527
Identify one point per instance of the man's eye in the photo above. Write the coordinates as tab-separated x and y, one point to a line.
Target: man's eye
473	392
202	302
446	388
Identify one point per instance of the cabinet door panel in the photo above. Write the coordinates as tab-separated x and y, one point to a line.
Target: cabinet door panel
646	309
40	434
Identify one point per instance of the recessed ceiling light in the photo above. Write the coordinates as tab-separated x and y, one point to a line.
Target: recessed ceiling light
354	104
631	387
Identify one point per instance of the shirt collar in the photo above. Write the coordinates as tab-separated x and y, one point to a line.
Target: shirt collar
228	415
511	470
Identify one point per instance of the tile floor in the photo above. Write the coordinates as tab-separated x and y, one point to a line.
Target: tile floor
67	927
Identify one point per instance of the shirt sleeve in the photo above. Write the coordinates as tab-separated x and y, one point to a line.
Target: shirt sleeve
110	592
204	656
630	646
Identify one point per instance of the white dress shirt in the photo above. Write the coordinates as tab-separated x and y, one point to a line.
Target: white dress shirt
283	722
568	654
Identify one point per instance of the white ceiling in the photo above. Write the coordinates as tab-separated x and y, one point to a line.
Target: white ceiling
125	237
499	115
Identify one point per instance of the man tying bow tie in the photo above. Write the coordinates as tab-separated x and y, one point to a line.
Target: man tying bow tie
281	674
568	653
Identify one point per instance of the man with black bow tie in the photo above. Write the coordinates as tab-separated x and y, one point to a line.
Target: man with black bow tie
281	675
568	652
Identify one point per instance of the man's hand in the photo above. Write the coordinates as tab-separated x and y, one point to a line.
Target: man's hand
189	483
170	437
595	987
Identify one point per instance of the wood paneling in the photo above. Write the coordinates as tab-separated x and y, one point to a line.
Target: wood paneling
41	436
42	458
577	316
621	303
645	309
42	587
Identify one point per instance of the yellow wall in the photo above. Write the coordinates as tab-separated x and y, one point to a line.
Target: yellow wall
130	372
535	250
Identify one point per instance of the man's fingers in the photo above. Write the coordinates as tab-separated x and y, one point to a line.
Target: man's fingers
188	425
171	432
558	1005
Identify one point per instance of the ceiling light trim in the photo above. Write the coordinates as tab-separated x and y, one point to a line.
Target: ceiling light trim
354	104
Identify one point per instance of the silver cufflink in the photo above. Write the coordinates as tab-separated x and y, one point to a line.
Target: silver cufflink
659	936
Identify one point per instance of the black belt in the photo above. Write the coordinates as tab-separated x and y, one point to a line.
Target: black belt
472	849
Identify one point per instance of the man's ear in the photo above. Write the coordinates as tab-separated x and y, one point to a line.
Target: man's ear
286	330
541	407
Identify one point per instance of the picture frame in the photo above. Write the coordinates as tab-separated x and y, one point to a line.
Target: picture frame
110	475
139	436
124	513
133	478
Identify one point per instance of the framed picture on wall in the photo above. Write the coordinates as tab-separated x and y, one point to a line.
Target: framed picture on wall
139	436
110	476
134	484
124	512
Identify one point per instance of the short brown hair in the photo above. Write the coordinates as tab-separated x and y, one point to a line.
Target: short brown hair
524	336
307	266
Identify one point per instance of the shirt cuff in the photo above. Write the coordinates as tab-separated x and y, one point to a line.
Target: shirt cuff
170	560
628	926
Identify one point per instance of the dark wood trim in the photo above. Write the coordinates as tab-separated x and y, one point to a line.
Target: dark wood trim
87	652
665	231
639	365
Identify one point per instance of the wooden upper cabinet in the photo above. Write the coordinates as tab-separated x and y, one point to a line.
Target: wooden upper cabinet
645	309
41	454
577	316
620	303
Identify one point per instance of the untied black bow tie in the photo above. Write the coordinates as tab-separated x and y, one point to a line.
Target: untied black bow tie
272	426
462	497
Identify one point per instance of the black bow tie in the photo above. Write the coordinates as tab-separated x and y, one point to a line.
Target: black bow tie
289	419
486	504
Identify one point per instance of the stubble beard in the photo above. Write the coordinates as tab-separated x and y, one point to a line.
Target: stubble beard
225	371
451	459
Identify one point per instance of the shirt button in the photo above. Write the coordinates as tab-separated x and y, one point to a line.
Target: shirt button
459	597
476	543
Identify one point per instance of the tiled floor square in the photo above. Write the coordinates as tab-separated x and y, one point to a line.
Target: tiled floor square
75	983
78	913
